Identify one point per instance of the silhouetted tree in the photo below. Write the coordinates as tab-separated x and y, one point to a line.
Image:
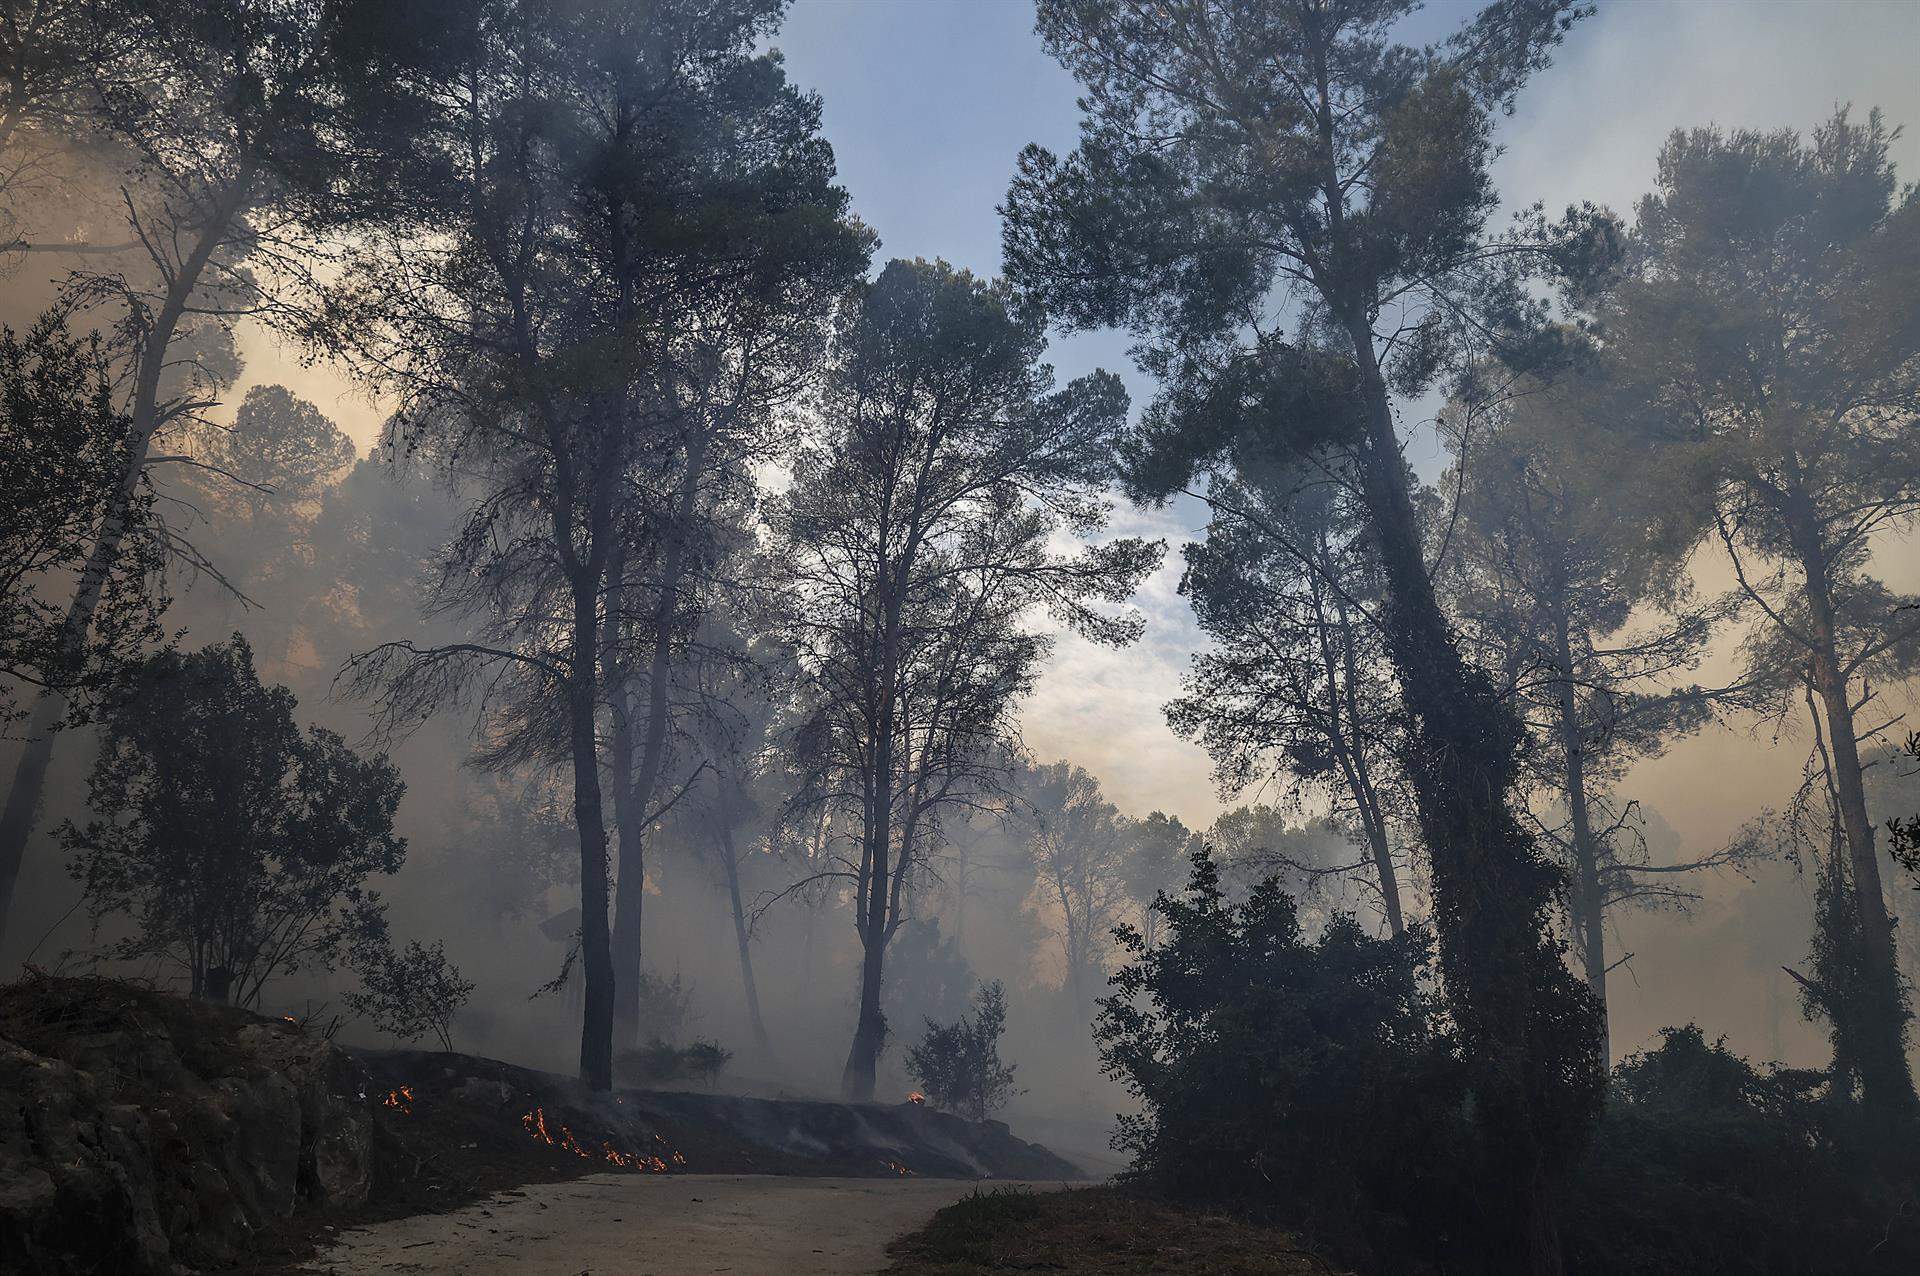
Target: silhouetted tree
1771	310
919	527
1568	556
1079	850
239	845
1158	852
231	111
1295	687
558	356
1236	154
63	442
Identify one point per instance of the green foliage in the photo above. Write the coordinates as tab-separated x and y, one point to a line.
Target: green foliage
958	1064
239	846
411	993
1309	1080
1704	1163
63	461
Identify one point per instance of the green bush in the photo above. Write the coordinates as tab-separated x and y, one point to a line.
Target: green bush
1315	1083
958	1064
1301	1080
1703	1163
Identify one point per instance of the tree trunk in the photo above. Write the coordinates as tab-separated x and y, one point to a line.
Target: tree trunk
630	880
1589	896
743	942
870	1035
635	789
1366	797
30	771
1511	997
596	1025
1879	1033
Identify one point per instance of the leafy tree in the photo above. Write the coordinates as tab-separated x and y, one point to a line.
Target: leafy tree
240	846
560	354
920	527
1158	851
1305	1079
1295	686
232	113
1242	155
1253	843
1569	549
1079	850
927	975
411	993
256	484
1770	313
62	444
958	1064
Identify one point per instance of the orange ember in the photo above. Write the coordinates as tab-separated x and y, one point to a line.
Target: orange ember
535	1124
916	1097
897	1168
400	1100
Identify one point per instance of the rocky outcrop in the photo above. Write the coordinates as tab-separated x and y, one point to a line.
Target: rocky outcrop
140	1133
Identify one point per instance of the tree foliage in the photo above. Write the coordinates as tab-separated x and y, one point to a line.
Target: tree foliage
239	846
958	1064
63	445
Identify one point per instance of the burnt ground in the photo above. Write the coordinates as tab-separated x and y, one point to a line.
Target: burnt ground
453	1129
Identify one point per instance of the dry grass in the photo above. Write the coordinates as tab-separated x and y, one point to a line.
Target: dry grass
1093	1230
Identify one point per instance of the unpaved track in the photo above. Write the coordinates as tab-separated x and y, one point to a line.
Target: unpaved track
648	1225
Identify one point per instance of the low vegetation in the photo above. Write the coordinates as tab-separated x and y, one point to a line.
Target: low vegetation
1094	1230
1315	1083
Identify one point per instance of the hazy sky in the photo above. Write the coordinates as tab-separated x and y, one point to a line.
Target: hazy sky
928	102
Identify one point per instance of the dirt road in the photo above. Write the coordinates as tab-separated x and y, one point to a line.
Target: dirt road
644	1225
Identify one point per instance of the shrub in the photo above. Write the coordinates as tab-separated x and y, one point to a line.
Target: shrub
411	993
1309	1082
706	1060
659	1063
1703	1163
665	1006
239	845
958	1064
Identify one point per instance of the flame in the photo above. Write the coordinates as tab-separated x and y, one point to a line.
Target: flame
401	1100
897	1168
535	1124
916	1097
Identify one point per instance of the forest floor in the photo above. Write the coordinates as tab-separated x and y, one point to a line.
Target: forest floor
1093	1231
652	1225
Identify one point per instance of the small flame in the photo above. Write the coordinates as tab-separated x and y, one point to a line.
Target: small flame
897	1168
535	1124
400	1100
915	1097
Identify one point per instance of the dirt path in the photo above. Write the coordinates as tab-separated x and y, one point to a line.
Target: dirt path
669	1225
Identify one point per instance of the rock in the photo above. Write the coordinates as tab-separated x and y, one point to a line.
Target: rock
76	1176
151	1133
336	1129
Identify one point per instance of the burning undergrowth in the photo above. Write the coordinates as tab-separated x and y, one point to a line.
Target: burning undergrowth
460	1125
